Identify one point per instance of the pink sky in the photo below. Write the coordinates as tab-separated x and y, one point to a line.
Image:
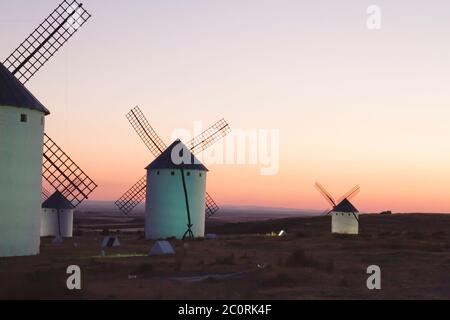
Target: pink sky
352	106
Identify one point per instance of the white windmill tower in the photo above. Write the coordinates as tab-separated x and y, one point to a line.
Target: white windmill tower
176	199
344	216
176	190
21	146
20	161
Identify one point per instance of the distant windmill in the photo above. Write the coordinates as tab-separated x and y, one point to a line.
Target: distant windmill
157	224
345	217
57	217
59	170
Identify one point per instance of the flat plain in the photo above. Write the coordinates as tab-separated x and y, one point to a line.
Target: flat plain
244	262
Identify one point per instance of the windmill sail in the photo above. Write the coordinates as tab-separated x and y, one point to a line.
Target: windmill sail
133	196
29	58
130	199
145	131
46	40
325	194
203	141
353	192
64	175
214	133
45	194
211	206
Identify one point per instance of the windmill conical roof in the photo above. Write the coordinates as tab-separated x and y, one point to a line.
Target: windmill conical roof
345	206
14	94
57	201
165	161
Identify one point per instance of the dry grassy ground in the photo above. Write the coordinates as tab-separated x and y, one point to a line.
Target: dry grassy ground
413	252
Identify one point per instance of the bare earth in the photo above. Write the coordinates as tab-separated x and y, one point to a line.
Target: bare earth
413	252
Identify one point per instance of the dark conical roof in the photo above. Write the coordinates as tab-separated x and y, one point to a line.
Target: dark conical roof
164	160
14	94
57	201
345	206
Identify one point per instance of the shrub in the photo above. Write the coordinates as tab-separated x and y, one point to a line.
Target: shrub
225	260
299	258
145	268
244	256
416	235
300	235
281	279
234	244
343	282
178	264
330	266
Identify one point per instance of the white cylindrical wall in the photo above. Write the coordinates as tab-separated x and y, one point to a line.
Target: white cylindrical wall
165	210
50	225
344	223
20	180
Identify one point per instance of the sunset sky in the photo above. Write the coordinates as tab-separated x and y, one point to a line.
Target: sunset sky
352	106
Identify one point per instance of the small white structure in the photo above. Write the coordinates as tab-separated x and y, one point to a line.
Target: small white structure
211	236
345	218
57	217
110	242
21	148
161	248
175	201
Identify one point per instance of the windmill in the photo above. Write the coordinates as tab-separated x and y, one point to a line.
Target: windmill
140	191
345	217
57	217
60	172
30	56
136	194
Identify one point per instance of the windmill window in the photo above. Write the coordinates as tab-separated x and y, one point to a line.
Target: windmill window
188	174
172	173
23	117
200	174
157	172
